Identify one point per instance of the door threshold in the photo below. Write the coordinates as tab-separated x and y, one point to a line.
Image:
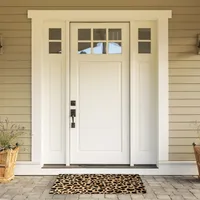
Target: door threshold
61	166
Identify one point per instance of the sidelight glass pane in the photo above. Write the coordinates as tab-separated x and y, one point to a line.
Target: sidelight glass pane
144	34
99	48
144	47
84	48
99	34
84	34
114	34
55	34
55	47
114	47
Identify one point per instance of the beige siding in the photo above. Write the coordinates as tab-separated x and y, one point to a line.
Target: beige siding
184	67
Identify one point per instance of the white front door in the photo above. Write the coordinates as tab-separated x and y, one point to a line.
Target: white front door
99	72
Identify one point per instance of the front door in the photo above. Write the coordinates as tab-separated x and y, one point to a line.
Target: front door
99	74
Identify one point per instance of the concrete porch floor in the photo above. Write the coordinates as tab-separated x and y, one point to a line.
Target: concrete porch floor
158	187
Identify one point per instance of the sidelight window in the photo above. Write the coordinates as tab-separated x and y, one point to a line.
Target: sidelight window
55	41
144	40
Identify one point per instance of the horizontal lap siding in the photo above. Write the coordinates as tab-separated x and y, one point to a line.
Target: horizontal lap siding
184	64
15	74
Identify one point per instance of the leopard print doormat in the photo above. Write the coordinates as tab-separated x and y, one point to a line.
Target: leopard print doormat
98	184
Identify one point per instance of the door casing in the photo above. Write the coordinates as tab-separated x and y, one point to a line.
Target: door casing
160	17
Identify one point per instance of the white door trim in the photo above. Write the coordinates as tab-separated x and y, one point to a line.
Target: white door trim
99	15
67	31
160	16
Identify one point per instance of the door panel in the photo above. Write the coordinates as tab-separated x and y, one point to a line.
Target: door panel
100	106
53	93
146	143
100	86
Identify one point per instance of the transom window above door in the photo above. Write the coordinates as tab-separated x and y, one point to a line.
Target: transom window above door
99	41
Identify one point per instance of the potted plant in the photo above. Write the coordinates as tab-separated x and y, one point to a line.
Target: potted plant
9	148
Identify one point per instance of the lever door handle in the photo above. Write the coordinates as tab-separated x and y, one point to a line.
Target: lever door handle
73	115
73	119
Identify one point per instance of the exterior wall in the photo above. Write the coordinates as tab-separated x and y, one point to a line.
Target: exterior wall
184	64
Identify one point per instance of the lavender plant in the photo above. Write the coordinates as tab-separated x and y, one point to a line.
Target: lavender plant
9	132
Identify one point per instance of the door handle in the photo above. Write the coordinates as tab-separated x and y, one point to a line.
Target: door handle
73	115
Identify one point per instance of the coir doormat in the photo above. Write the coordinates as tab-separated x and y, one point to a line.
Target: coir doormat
98	184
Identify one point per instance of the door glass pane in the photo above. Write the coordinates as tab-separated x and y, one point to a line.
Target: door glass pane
84	34
114	48
144	47
55	34
84	48
144	34
114	34
99	48
55	47
99	34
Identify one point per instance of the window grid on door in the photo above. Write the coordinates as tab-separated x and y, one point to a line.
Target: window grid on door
144	40
55	41
100	41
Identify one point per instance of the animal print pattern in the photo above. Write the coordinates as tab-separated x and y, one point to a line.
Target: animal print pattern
98	184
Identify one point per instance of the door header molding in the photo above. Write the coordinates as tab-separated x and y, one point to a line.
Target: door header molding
99	15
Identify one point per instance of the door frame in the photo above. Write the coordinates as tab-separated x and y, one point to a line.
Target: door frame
160	16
